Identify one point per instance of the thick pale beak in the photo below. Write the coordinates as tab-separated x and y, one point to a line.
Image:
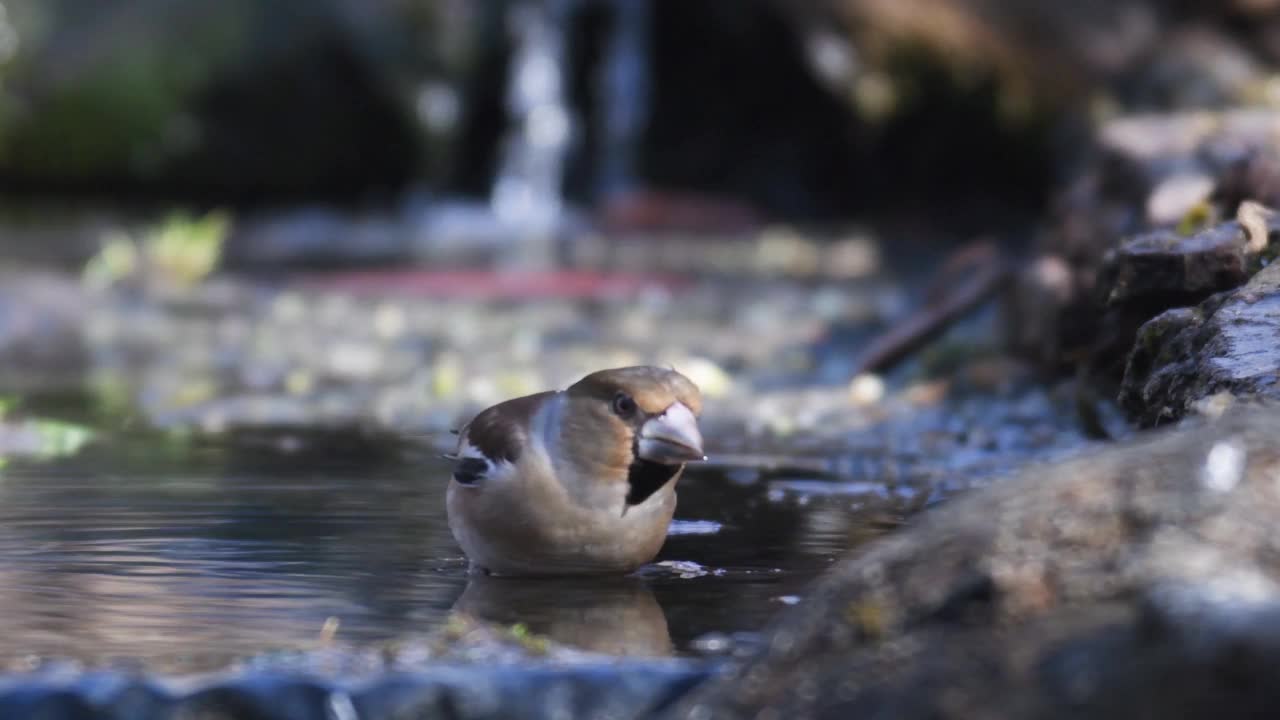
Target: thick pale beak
671	438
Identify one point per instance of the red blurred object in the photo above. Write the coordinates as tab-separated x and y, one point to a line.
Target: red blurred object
495	284
663	211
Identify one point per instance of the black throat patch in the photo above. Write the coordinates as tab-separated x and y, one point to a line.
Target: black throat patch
646	478
469	470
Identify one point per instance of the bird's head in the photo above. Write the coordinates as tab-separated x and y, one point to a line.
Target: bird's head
635	415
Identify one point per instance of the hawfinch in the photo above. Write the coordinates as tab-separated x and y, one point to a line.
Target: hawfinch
575	481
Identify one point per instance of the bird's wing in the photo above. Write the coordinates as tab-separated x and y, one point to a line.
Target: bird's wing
497	436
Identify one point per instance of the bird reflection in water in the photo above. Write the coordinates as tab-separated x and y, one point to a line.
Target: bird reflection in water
612	615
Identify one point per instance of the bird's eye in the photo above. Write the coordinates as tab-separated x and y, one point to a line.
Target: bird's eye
623	405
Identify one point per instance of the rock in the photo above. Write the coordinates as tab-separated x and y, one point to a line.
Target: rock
1136	581
1146	175
622	691
1230	343
1152	272
464	669
1166	268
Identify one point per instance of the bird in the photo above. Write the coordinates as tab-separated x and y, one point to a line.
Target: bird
576	481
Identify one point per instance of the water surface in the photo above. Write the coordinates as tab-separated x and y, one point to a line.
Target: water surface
191	559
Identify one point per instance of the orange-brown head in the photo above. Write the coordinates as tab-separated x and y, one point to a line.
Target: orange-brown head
624	419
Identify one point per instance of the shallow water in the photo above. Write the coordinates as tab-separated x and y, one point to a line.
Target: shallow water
192	559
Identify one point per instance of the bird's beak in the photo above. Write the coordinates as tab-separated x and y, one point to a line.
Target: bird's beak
671	438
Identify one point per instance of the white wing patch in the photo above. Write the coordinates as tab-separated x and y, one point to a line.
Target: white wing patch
467	450
472	469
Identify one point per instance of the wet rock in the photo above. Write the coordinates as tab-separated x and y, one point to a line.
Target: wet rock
619	691
465	669
1132	581
1165	268
1148	174
1230	343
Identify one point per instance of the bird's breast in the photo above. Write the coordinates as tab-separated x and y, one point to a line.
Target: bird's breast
532	524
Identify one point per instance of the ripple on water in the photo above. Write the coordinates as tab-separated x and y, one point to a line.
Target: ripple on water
806	487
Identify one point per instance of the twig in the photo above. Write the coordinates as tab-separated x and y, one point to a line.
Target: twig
981	273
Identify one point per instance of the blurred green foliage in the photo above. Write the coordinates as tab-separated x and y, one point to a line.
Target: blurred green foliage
37	438
60	439
181	250
211	99
79	104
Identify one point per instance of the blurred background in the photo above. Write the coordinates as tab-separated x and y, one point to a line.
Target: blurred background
595	148
422	124
635	115
878	234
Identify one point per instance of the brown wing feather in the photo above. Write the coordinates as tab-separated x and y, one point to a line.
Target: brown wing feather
501	432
